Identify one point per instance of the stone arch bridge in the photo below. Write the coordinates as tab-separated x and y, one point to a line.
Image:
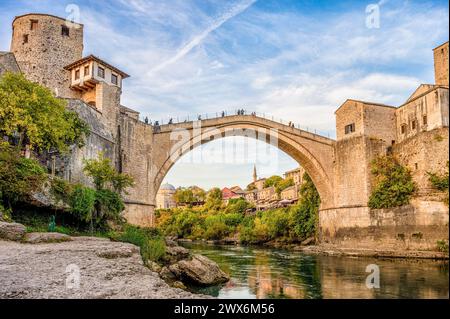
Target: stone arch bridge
151	151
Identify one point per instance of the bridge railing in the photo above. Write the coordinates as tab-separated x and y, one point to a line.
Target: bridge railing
228	113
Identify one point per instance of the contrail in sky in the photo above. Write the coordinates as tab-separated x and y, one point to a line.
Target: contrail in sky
234	11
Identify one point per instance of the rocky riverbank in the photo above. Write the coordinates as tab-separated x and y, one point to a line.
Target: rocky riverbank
106	270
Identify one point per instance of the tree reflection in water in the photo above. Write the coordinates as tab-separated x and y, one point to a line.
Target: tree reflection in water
272	273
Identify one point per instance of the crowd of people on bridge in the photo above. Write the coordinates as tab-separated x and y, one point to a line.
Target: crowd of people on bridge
199	118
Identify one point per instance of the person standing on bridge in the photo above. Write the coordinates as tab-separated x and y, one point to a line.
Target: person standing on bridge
146	120
199	118
223	113
171	121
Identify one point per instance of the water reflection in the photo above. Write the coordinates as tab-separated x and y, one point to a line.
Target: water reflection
269	273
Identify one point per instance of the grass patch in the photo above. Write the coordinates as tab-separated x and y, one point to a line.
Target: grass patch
150	240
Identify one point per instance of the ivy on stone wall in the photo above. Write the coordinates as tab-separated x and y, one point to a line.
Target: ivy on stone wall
440	182
393	183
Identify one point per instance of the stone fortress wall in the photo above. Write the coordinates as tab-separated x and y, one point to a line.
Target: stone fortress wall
42	50
48	52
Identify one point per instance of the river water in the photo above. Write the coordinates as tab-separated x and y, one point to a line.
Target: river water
274	273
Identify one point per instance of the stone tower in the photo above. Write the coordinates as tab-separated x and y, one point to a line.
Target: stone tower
43	45
441	64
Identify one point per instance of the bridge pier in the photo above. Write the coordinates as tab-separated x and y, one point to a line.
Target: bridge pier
140	214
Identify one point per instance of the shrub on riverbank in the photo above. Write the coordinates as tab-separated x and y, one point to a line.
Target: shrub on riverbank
150	241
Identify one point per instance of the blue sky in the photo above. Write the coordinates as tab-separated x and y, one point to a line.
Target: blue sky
296	60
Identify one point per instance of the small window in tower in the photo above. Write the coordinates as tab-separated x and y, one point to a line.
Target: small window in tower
425	120
86	70
101	72
350	128
34	24
25	38
65	31
114	79
403	128
413	125
77	74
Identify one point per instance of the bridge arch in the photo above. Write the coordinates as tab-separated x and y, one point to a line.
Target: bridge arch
315	153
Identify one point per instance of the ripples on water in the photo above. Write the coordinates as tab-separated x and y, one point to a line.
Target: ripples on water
273	273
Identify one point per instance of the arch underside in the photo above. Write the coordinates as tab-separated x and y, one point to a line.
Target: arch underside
285	142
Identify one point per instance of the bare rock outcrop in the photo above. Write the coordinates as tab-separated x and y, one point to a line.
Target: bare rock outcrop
38	238
199	270
12	231
81	268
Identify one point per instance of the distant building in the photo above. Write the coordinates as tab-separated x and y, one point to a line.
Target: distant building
251	196
259	184
296	175
290	194
228	194
267	194
165	198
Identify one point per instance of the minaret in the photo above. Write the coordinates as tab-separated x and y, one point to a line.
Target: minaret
255	177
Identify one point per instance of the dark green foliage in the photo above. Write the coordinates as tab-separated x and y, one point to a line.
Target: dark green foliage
110	205
95	206
439	181
303	217
82	202
19	177
393	183
442	245
60	189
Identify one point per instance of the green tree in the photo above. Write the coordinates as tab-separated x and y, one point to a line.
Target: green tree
104	203
283	184
184	196
393	183
272	181
303	217
30	112
100	170
214	199
198	193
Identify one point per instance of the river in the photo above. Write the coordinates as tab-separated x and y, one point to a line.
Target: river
274	273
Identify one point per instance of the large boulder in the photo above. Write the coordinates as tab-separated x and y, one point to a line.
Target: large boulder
199	270
12	231
175	253
38	238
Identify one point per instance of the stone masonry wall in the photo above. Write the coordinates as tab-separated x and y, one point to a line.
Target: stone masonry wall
426	152
441	64
136	159
42	53
8	63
